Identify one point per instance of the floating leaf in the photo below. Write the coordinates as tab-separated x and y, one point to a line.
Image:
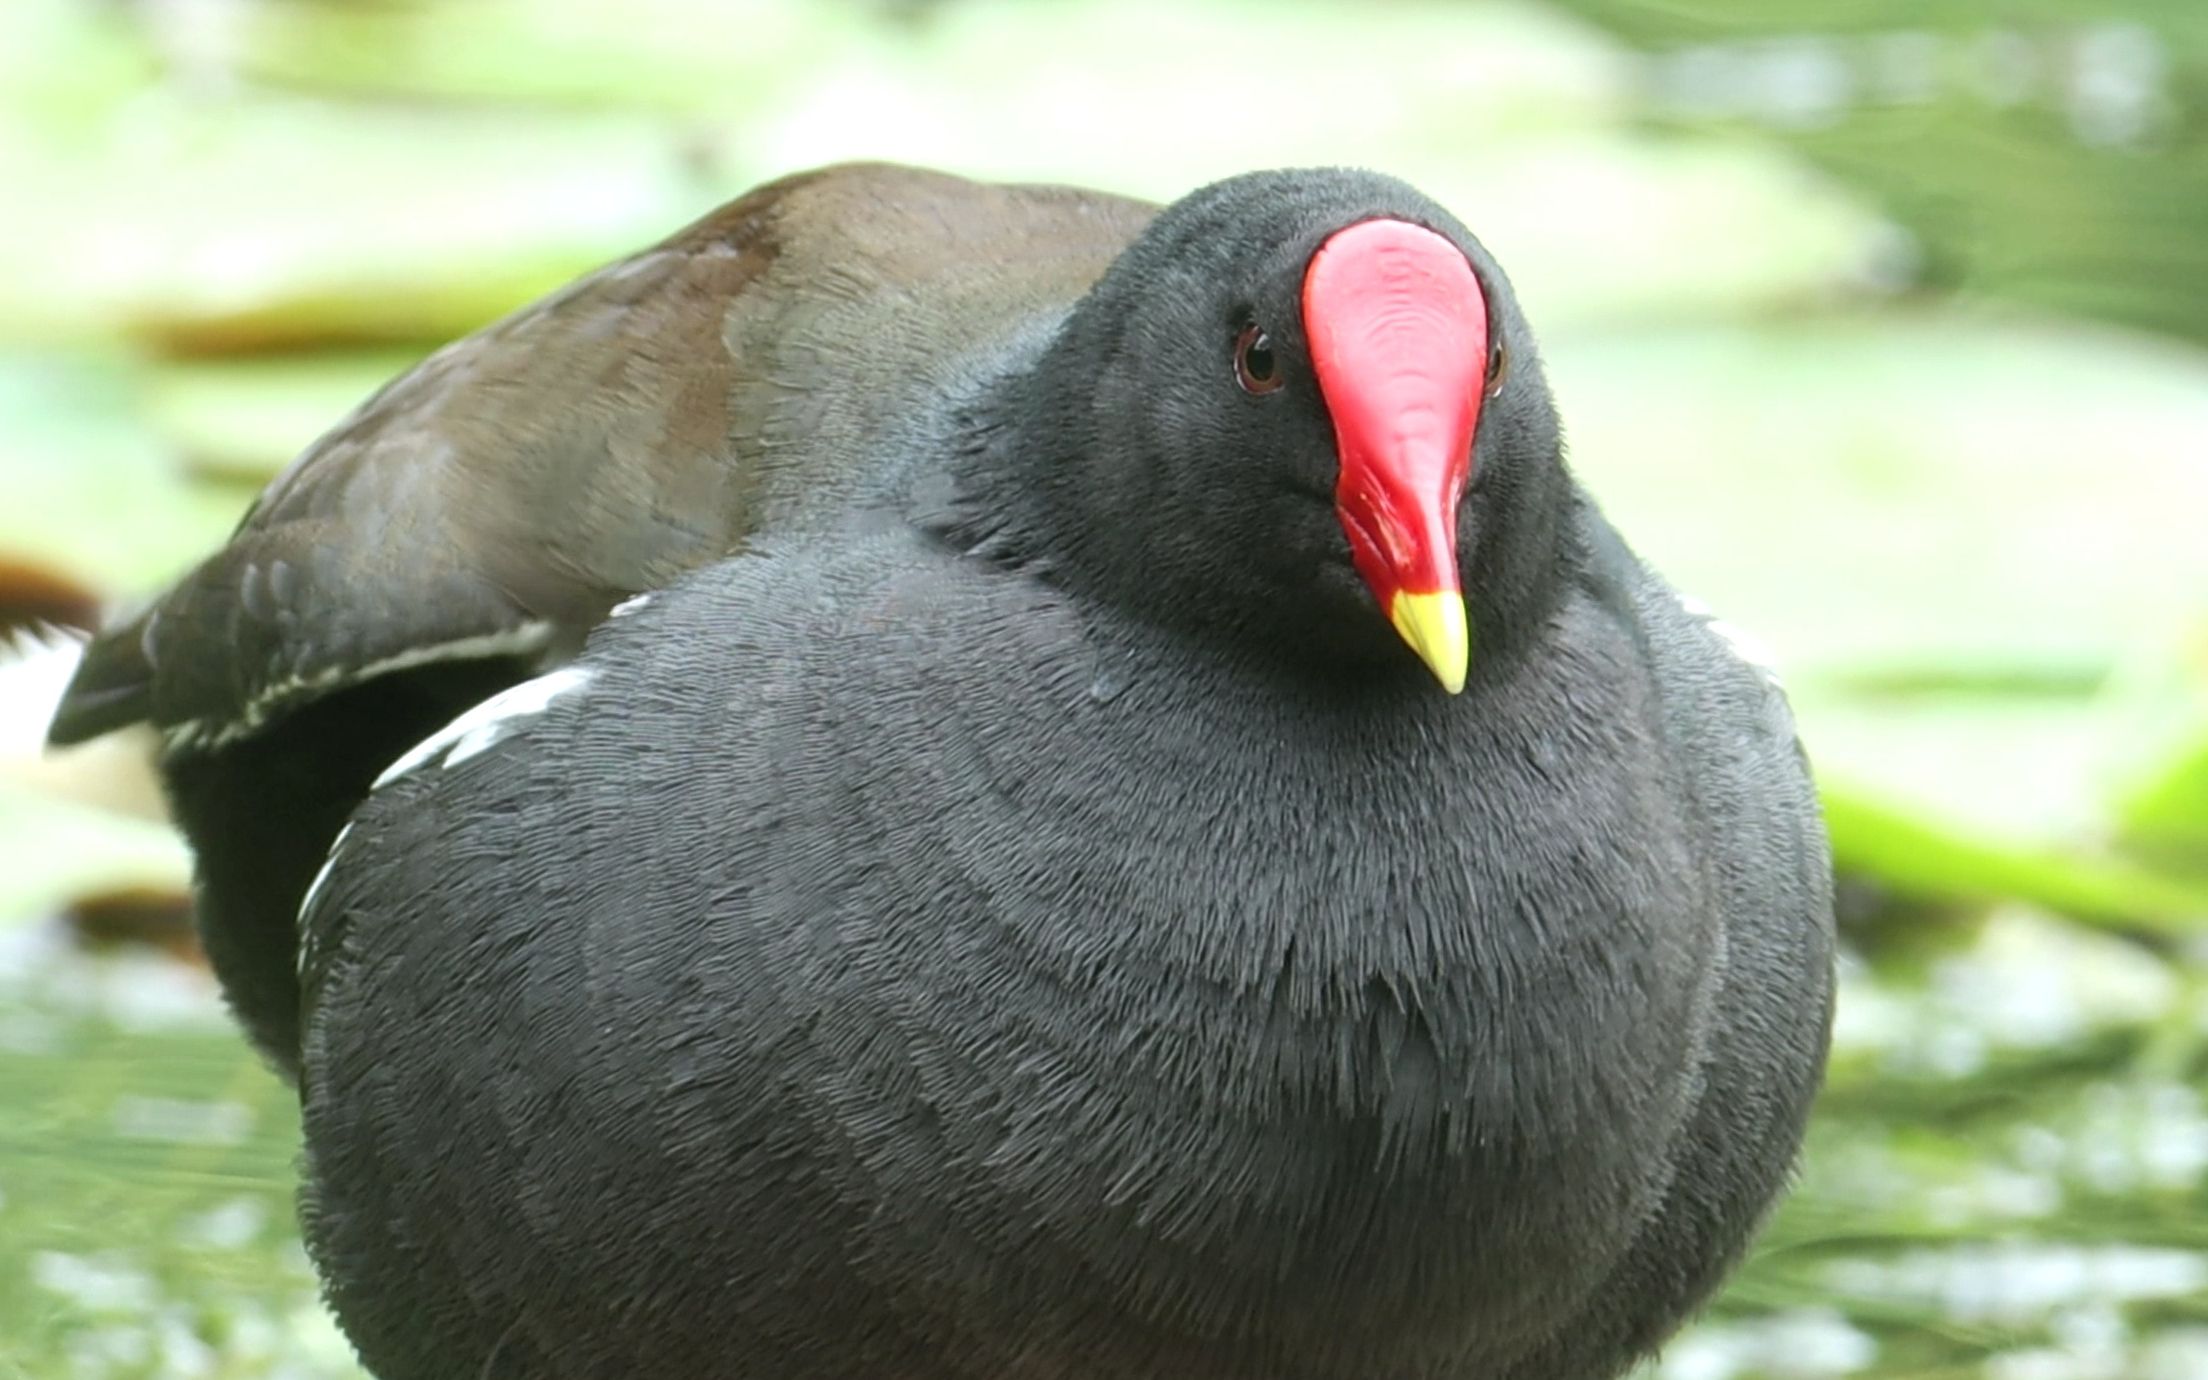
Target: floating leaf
1511	116
53	852
2168	815
211	223
1915	854
1860	491
241	419
90	494
2163	813
727	57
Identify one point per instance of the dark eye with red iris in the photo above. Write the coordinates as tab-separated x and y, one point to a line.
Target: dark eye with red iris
1498	368
1256	367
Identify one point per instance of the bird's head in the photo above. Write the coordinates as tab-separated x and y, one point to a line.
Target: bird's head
1305	404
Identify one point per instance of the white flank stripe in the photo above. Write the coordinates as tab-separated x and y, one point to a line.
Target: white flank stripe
314	888
1745	646
459	740
484	725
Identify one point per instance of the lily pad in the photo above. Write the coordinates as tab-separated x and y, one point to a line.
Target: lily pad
206	223
669	55
240	419
55	852
1513	116
90	493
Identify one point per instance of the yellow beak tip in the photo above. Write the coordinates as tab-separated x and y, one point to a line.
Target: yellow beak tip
1435	627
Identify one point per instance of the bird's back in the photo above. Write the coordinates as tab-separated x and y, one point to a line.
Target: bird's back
466	526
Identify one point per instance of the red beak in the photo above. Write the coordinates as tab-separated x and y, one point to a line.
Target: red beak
1398	330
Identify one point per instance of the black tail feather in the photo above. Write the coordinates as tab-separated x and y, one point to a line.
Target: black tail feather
261	812
112	688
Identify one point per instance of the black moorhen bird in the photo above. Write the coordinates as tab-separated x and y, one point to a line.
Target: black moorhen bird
1032	911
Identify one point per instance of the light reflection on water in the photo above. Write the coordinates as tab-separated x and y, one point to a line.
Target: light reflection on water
228	1226
46	978
2021	1282
128	1325
105	1283
179	1122
2176	1354
2111	82
1801	1343
2026	981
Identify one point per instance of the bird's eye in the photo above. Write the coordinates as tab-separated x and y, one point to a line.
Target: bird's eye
1498	368
1256	368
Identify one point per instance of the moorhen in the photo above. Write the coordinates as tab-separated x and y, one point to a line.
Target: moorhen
1133	822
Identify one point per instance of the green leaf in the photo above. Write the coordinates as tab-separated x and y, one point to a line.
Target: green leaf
53	852
243	418
2169	813
220	224
2163	812
90	494
1921	856
1927	487
727	57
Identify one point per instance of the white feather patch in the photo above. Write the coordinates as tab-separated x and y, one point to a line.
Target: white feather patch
486	723
314	888
1744	645
35	666
457	741
630	604
526	639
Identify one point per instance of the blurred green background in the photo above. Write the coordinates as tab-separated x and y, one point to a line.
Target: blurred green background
1878	325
